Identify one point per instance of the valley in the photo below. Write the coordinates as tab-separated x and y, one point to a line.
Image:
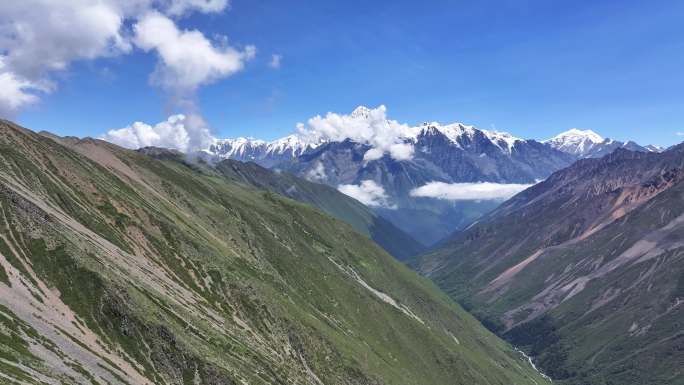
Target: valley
591	284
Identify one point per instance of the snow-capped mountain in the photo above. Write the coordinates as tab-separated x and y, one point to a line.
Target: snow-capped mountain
454	153
588	144
461	135
653	148
335	150
575	141
449	153
267	154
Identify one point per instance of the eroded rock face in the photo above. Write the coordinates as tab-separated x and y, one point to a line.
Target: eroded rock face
569	266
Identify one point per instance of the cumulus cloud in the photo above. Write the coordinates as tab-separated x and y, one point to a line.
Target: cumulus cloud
364	125
187	58
368	192
15	92
468	191
178	132
40	37
275	61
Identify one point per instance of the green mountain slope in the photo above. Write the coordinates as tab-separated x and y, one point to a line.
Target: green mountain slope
118	268
585	270
328	199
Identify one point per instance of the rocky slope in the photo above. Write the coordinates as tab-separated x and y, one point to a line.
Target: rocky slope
120	268
585	270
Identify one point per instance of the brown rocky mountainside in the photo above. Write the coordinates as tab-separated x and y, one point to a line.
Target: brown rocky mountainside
585	270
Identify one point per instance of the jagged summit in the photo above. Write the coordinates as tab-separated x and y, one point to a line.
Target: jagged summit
267	153
576	141
589	144
578	133
458	132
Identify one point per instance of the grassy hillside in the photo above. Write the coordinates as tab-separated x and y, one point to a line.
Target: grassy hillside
124	269
395	241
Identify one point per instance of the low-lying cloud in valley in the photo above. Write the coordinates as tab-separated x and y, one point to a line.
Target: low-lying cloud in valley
468	191
368	192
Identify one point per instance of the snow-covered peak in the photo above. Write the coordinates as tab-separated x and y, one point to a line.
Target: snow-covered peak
504	140
654	148
233	147
240	141
253	149
575	135
293	144
455	132
575	141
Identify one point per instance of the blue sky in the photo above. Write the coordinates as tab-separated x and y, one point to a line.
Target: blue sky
532	68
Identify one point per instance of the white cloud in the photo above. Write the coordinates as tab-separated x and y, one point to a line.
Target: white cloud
178	132
275	61
40	37
679	133
368	126
468	191
180	7
15	92
373	154
187	58
368	192
317	173
401	151
43	35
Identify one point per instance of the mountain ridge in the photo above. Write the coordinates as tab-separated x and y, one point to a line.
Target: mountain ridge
572	141
440	153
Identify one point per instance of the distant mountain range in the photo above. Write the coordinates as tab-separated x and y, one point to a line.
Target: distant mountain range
267	154
450	155
585	269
